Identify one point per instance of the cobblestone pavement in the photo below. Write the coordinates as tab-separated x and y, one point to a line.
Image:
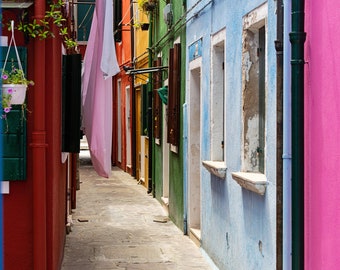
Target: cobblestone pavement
116	226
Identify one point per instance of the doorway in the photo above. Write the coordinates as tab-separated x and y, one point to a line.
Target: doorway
128	129
194	152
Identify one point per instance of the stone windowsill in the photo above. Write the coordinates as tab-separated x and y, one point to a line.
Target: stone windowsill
165	200
217	168
256	182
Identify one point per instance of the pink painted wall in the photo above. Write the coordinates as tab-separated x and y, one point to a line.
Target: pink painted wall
322	133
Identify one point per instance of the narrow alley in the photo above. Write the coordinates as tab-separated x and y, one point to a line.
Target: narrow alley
116	225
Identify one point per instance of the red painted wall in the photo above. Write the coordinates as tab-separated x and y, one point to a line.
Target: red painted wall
56	171
18	210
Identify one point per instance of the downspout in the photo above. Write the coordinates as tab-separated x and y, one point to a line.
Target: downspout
287	143
133	92
39	146
1	202
150	130
279	128
185	168
297	39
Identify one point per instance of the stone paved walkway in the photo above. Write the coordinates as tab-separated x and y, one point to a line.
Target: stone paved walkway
115	227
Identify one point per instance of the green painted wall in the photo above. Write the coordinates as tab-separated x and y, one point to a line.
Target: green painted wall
163	40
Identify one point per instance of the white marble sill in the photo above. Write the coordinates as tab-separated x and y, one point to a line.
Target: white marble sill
217	168
255	182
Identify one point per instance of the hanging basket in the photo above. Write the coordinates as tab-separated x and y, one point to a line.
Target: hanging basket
148	5
17	92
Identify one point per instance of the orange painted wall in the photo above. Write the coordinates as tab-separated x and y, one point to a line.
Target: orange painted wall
123	51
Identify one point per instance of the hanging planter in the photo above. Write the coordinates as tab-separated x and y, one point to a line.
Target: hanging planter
147	5
17	93
14	83
144	26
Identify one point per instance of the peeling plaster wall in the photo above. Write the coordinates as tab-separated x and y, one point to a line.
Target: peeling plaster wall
238	227
250	97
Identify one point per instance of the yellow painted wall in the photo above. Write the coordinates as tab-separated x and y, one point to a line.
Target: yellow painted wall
141	55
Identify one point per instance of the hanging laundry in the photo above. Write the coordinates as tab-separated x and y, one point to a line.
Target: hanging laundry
100	64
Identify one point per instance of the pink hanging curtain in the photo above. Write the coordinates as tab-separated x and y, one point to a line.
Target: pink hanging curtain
100	64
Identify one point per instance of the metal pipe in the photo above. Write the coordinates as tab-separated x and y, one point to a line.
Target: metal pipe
297	39
279	128
185	168
150	130
133	99
287	143
39	149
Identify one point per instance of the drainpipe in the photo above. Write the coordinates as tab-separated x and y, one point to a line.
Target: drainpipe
185	168
297	39
279	128
39	146
287	143
150	154
1	202
133	95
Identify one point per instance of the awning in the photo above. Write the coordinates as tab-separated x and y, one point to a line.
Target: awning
144	70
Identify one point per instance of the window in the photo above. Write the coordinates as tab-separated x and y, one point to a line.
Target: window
217	165
217	96
254	95
252	176
119	120
84	14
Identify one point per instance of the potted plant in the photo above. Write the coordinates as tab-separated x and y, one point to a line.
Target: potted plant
14	86
147	5
144	26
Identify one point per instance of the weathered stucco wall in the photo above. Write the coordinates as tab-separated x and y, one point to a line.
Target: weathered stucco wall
238	227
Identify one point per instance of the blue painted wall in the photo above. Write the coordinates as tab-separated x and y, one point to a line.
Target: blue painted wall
238	226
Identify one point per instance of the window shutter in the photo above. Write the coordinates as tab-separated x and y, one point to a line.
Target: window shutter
117	20
13	136
144	109
174	95
71	103
157	104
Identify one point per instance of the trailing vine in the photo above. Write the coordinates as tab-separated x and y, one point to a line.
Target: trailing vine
42	28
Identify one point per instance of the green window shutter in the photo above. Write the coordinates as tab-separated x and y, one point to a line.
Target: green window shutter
12	59
14	145
13	133
144	109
